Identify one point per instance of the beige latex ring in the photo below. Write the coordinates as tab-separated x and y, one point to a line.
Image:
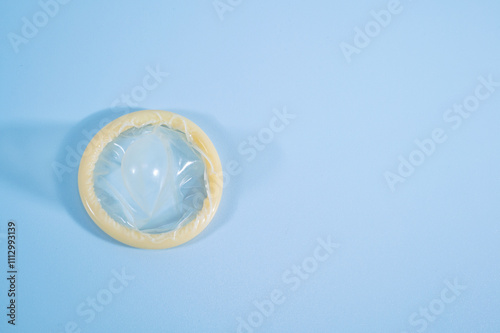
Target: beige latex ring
194	136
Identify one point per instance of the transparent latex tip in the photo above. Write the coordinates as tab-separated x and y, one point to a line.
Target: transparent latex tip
151	179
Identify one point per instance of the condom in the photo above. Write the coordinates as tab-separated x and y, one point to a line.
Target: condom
151	179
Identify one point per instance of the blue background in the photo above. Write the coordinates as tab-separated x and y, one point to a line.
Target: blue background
322	176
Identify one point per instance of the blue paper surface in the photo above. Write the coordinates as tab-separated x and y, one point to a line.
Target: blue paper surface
360	145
